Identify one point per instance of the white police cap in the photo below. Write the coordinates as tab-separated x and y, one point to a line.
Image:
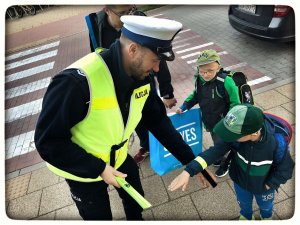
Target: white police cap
154	33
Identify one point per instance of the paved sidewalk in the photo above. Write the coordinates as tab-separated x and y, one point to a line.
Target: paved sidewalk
33	192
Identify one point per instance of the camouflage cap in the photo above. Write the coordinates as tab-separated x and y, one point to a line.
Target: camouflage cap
208	56
240	121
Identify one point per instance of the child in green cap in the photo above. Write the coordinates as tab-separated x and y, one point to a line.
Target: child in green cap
261	160
213	104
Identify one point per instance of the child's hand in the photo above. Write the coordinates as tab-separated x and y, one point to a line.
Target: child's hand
169	103
181	180
179	111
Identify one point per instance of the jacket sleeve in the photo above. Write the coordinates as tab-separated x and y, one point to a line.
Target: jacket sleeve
189	102
155	119
207	157
64	105
164	81
281	171
232	91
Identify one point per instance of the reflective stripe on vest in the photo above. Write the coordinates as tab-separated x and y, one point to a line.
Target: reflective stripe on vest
103	125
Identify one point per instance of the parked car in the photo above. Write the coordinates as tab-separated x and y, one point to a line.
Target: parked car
268	22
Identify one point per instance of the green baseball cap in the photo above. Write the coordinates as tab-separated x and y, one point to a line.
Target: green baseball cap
208	56
240	121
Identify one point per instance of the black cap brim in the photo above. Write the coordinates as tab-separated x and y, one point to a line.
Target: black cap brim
166	54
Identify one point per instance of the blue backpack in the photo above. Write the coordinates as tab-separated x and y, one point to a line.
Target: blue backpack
283	135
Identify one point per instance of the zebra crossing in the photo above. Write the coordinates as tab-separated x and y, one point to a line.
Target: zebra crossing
188	44
190	54
23	65
29	72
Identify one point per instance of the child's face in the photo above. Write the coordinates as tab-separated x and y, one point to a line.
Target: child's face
245	138
209	71
251	137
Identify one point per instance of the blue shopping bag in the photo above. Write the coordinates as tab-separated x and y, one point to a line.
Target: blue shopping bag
189	125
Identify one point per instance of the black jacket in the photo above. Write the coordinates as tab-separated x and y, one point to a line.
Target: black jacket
66	103
105	35
249	176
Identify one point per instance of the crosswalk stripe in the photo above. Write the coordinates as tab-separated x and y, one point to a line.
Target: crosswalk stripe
190	55
235	66
31	51
183	31
177	37
259	80
184	40
22	111
195	47
27	88
157	15
19	144
31	60
222	53
180	46
29	72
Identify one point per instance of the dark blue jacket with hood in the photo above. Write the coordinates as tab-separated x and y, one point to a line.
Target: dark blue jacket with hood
255	164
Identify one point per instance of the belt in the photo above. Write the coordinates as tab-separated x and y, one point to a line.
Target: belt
113	150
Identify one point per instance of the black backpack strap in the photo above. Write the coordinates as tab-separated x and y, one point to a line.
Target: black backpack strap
220	80
196	81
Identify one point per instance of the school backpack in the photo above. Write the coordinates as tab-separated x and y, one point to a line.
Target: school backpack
240	79
283	135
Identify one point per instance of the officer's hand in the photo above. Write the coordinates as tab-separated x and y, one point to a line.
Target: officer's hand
179	111
109	174
201	179
182	180
169	103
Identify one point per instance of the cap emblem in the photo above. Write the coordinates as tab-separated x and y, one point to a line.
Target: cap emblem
230	119
204	54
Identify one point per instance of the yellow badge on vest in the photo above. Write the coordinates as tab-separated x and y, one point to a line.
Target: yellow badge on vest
141	92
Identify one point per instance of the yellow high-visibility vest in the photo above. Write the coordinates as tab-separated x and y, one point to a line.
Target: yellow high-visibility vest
103	125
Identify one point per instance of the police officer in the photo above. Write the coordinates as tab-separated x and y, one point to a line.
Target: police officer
104	29
92	107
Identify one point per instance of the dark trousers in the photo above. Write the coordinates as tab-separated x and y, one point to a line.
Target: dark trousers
92	199
142	133
215	139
